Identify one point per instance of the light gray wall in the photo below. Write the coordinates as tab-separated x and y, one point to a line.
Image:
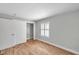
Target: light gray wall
64	30
12	32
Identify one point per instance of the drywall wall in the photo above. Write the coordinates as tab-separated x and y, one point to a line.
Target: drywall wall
12	32
64	30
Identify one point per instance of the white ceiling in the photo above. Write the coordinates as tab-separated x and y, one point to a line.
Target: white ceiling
36	11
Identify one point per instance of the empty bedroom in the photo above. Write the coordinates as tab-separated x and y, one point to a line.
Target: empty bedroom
39	28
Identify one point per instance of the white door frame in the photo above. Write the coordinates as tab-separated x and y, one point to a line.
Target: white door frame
33	28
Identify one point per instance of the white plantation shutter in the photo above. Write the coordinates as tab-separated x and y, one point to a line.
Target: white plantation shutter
45	29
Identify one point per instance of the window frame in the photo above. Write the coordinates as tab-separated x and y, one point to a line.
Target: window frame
44	29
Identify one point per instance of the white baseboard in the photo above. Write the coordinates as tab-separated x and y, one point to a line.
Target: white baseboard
13	45
67	49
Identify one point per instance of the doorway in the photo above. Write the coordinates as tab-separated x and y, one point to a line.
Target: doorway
30	31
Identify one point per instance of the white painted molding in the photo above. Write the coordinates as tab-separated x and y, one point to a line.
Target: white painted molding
34	31
31	22
61	47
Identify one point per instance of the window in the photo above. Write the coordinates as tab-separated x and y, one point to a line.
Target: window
45	29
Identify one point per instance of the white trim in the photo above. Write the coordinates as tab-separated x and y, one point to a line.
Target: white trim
70	50
44	29
33	28
34	31
12	46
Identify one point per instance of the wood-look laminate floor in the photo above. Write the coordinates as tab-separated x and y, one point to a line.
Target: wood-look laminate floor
35	47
